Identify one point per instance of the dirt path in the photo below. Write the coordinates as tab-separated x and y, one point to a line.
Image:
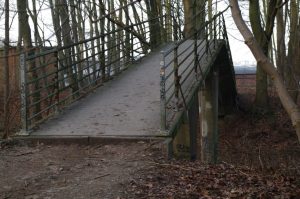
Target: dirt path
259	158
70	171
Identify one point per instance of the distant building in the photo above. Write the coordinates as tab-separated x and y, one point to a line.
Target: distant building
244	70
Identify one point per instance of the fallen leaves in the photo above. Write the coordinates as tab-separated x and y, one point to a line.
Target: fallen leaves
179	179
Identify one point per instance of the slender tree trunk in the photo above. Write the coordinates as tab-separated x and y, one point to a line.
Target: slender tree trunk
78	47
286	100
281	54
102	37
261	98
155	29
127	34
90	7
168	20
188	18
67	40
57	30
97	34
194	16
294	69
6	73
37	38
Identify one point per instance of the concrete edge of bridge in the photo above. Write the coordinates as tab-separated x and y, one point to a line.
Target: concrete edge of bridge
87	140
163	143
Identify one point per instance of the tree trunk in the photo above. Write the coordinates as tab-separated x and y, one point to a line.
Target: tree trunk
286	100
294	70
261	97
57	30
102	52
280	54
78	56
155	29
67	40
6	73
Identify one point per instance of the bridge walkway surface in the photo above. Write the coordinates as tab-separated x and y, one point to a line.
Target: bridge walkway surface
129	106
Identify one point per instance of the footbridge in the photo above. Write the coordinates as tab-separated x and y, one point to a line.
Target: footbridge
123	85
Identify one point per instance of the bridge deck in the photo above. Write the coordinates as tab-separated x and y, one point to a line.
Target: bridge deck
127	106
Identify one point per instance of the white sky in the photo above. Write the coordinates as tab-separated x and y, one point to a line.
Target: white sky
240	52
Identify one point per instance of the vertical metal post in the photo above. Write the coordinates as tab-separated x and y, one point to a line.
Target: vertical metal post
163	114
176	76
175	33
220	27
132	47
23	91
57	81
196	54
215	32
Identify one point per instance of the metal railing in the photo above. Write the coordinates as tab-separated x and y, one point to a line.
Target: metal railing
185	65
53	79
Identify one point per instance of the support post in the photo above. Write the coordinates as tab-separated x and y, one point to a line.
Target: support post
209	119
193	119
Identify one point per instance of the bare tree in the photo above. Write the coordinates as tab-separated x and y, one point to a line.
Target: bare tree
265	63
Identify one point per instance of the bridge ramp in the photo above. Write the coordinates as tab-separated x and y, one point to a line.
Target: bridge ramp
129	105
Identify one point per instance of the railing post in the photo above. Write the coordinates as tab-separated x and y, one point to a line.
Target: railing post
220	26
176	76
132	47
163	122
57	81
196	53
23	92
215	32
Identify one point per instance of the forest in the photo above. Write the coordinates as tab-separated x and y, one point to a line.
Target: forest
55	55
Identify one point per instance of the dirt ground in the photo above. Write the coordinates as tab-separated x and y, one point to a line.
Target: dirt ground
72	171
258	158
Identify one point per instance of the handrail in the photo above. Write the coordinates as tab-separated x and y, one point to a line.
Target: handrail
188	56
